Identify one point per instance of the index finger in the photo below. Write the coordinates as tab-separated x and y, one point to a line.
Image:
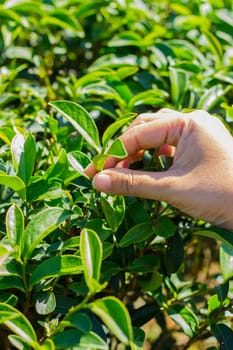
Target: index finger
156	133
148	131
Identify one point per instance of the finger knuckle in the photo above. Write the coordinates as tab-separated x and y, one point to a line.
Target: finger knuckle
128	184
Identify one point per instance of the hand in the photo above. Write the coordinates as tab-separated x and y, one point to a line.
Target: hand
200	181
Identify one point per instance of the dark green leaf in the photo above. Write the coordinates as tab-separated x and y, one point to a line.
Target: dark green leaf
173	257
224	335
164	227
9	282
114	210
222	291
152	283
56	267
41	225
80	321
67	339
144	264
73	337
217	233
93	341
115	316
138	233
99	89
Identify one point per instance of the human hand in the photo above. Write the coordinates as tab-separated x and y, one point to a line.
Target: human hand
200	181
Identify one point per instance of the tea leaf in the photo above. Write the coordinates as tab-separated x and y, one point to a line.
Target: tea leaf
102	90
113	128
173	257
226	261
45	303
15	225
59	169
115	316
217	233
149	97
127	38
91	253
24	153
116	150
55	267
80	321
63	19
19	324
48	344
74	337
179	84
79	161
144	264
8	14
14	182
6	134
18	342
164	227
215	47
138	233
224	335
213	303
113	61
80	119
114	212
41	225
211	97
185	318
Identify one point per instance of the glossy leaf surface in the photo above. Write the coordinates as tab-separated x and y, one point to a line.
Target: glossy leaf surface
80	119
91	253
115	316
55	267
41	225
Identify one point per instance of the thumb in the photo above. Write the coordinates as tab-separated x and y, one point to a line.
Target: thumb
144	184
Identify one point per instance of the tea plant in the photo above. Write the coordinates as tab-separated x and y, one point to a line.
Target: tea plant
81	269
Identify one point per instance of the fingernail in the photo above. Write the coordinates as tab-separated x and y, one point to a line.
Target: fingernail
102	182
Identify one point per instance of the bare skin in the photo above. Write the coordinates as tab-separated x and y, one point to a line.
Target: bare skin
200	181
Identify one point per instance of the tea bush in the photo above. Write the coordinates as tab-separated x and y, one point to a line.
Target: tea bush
81	269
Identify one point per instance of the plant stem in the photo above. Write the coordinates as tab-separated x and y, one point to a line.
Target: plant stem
72	311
